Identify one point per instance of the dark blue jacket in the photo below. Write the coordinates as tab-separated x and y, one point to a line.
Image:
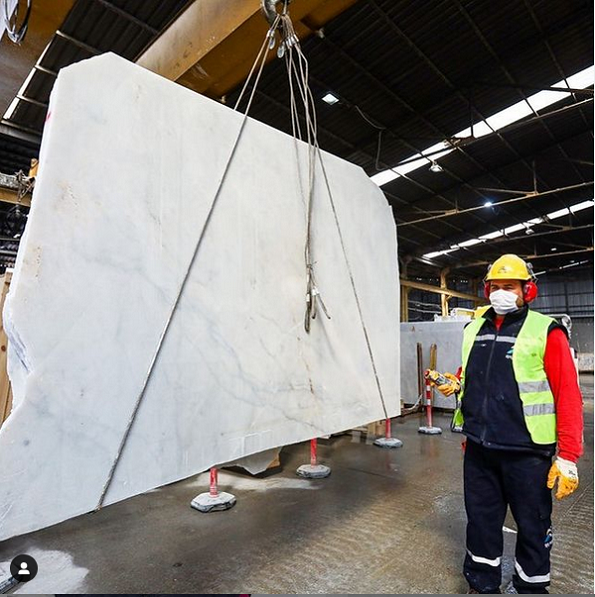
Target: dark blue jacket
492	405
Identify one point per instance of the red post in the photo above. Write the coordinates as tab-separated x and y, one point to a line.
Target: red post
429	403
313	449
387	428
213	491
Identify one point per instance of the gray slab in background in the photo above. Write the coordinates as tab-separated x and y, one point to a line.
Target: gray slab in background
582	334
448	337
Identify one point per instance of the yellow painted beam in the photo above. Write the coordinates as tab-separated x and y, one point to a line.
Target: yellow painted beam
11	196
197	31
443	291
16	61
211	47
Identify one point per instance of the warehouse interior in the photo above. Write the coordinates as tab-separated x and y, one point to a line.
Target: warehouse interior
475	121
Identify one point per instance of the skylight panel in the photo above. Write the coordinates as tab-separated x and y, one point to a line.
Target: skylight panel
514	113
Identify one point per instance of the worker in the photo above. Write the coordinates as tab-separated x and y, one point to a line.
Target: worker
519	405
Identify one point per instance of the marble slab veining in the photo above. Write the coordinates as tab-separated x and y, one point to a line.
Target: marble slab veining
129	166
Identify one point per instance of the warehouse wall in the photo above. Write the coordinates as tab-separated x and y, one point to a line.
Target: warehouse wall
570	294
424	305
563	292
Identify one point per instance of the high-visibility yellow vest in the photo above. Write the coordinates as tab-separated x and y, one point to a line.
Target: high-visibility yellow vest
529	372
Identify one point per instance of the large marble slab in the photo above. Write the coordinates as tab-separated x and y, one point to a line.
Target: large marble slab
129	166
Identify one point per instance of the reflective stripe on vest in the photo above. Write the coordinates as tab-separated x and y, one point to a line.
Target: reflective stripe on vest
529	372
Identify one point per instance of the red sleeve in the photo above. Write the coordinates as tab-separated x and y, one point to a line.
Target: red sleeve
563	380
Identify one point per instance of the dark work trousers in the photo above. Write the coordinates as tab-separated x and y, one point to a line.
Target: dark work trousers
495	479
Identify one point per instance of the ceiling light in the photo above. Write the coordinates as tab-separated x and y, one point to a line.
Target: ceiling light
573	209
436	167
492	235
514	228
558	213
330	98
526	226
438	253
11	108
553	249
581	206
470	242
514	113
488	203
383	177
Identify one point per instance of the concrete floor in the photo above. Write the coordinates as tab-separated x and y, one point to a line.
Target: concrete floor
383	522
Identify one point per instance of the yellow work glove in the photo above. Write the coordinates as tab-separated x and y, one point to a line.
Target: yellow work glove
449	388
566	474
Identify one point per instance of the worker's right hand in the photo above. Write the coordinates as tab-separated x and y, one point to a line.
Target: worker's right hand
565	473
450	388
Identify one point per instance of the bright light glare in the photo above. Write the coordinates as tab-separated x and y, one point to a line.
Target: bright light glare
513	113
514	228
9	112
469	243
330	99
581	206
491	235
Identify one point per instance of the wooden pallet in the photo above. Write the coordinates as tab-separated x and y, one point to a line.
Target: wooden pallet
5	389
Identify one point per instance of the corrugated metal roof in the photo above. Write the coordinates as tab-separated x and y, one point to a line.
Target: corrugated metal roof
423	70
92	27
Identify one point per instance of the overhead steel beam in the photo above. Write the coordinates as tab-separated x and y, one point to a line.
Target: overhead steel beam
211	47
77	42
454	212
196	32
11	196
560	254
522	86
455	90
16	61
559	230
47	71
443	291
126	15
10	130
32	101
365	71
527	257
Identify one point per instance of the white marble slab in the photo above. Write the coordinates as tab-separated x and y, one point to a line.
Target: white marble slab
128	169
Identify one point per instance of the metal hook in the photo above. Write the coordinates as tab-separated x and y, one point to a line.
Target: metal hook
269	9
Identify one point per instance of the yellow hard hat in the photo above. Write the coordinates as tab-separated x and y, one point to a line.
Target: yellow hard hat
509	267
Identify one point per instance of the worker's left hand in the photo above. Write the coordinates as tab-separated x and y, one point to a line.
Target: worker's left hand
566	474
452	387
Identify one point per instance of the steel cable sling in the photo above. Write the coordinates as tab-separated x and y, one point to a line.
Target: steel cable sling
289	45
297	66
259	63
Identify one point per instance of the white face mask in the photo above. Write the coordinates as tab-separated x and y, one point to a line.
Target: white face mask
503	301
